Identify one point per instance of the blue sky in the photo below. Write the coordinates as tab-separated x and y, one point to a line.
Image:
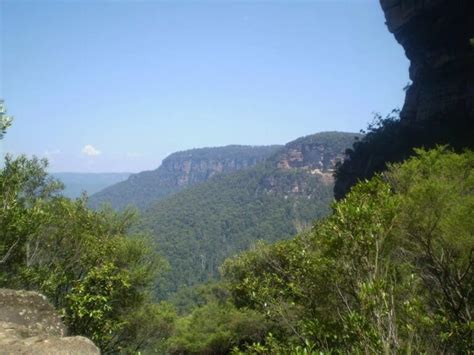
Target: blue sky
101	86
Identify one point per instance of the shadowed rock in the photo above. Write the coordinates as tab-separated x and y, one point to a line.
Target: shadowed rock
30	325
438	38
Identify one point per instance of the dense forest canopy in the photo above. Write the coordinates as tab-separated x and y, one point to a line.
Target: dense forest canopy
389	271
197	228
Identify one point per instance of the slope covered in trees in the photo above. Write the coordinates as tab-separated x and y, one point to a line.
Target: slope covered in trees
391	270
197	228
177	171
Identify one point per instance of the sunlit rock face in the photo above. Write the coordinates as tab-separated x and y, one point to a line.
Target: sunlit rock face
30	325
438	38
178	171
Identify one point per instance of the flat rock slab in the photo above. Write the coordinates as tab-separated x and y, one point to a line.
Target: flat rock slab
29	324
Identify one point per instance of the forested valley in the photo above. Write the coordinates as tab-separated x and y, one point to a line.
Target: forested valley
389	269
333	243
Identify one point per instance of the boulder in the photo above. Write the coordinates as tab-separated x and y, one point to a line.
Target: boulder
30	325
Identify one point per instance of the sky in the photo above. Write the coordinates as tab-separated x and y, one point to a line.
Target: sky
109	86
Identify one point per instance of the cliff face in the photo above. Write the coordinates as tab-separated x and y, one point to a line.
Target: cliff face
185	169
200	226
180	170
311	156
438	38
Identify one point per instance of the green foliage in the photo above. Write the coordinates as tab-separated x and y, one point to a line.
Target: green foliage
188	298
197	228
391	270
5	121
389	140
97	276
178	171
25	190
437	224
216	328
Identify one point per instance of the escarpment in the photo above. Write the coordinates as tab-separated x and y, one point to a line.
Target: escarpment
316	153
438	38
178	171
200	226
312	156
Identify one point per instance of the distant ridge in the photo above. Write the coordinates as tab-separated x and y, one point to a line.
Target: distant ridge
77	183
180	170
200	226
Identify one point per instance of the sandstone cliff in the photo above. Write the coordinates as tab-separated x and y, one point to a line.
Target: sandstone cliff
199	227
318	152
438	37
30	325
314	155
180	170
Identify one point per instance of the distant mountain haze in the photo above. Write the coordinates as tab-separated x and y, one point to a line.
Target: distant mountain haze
77	183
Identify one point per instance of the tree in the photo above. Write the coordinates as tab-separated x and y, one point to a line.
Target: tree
26	190
5	121
391	270
97	275
389	140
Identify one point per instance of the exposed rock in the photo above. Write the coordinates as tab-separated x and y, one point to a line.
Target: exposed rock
187	169
312	157
30	325
316	156
199	227
437	36
180	170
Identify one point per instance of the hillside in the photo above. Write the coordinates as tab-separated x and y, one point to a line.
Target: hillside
197	228
180	170
76	183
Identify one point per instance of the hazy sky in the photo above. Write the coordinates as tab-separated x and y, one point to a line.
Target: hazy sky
118	85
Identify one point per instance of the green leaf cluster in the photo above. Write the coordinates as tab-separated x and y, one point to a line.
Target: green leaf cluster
5	121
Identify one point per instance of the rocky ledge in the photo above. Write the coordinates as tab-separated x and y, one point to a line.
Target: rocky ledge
30	325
